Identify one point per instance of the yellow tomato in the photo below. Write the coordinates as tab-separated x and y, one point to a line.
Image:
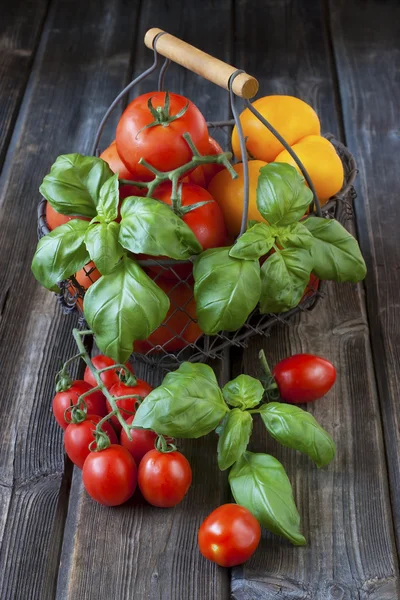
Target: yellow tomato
229	193
291	117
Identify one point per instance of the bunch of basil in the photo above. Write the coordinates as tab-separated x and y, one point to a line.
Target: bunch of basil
190	404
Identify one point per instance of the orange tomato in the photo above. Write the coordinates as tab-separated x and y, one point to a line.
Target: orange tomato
85	277
203	174
229	193
55	219
322	163
291	117
111	156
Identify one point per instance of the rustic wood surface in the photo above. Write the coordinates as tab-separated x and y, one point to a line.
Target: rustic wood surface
61	64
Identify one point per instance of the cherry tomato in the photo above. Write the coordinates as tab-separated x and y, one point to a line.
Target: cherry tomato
164	478
161	145
108	377
203	174
304	378
95	403
78	436
111	156
229	535
55	219
110	476
142	441
127	407
179	327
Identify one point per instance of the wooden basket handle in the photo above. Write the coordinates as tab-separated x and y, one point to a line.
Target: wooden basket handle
200	62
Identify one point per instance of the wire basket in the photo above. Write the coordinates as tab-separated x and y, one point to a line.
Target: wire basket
179	338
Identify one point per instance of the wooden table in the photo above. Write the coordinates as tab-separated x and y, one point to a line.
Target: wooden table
61	64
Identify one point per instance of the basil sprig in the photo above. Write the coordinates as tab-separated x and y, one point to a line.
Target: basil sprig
234	437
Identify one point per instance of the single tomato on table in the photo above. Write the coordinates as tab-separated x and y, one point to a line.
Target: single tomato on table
304	378
164	478
95	402
127	407
110	475
78	437
110	377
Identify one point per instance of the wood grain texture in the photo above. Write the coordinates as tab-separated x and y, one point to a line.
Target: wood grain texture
366	41
346	514
20	27
136	550
35	338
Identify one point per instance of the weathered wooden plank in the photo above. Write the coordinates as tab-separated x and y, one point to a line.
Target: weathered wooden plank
77	47
345	511
137	550
20	27
367	50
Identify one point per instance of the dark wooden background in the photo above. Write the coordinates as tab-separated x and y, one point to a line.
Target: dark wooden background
61	64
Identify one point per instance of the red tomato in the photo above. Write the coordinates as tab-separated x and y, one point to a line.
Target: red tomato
108	377
110	476
78	436
95	403
179	327
55	219
229	535
164	478
206	222
162	145
111	156
304	378
127	407
203	174
142	441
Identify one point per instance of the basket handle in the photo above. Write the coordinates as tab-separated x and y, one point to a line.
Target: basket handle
200	62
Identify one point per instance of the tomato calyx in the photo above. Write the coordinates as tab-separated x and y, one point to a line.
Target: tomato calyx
161	114
75	414
127	378
165	446
101	440
63	381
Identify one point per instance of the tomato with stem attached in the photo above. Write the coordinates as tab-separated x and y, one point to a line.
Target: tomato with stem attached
110	475
127	407
142	441
110	377
229	535
95	402
78	437
303	378
164	478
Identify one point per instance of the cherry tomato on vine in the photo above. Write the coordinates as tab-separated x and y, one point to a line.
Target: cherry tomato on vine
127	407
55	219
164	478
154	133
142	441
109	378
111	156
203	174
95	403
304	378
229	535
78	436
110	475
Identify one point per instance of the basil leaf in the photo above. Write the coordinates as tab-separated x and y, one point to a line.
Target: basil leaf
124	306
335	252
282	195
151	227
73	185
243	391
260	484
234	437
284	277
295	428
107	207
60	253
296	235
188	403
101	240
255	242
226	290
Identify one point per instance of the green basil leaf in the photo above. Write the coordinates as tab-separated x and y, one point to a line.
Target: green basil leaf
107	207
234	437
151	227
226	290
284	277
188	403
255	242
124	306
60	253
335	252
243	391
73	185
295	428
294	236
282	195
260	484
101	240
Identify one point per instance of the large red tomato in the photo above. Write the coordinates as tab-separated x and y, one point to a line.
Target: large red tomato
127	407
55	219
304	378
156	136
203	174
